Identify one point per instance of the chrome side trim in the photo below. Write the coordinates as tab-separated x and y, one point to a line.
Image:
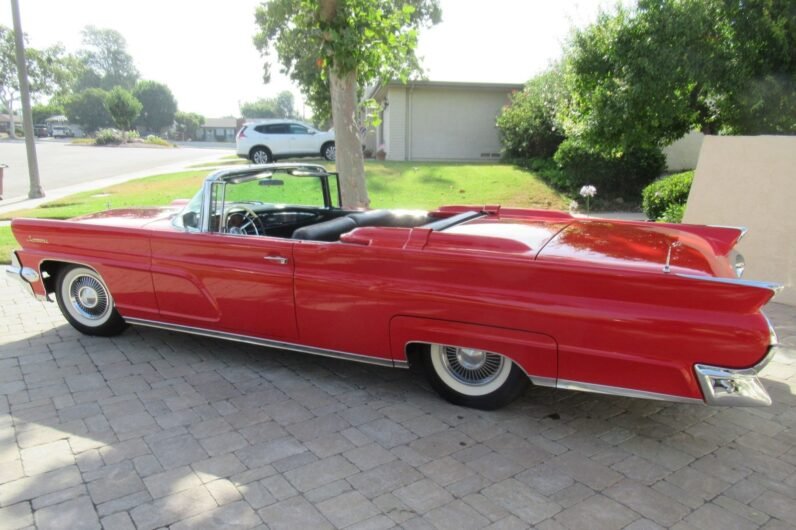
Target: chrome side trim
773	287
543	381
623	392
268	343
741	229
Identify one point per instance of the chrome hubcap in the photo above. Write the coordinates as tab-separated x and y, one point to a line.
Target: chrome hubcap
88	297
471	366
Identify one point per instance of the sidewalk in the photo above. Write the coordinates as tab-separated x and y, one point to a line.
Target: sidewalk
11	204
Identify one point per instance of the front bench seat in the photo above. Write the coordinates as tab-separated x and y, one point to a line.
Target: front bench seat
326	231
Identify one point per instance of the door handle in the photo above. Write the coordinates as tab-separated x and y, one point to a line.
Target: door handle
277	259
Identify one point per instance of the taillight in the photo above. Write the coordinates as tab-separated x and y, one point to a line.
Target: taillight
242	133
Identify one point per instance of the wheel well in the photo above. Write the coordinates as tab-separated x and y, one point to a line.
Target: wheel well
49	271
415	352
251	151
323	147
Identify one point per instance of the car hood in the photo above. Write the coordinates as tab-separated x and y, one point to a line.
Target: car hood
633	245
128	217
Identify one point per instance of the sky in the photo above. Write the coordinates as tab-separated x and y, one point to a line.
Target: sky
204	51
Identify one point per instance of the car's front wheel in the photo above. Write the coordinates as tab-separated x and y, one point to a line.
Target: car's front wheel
472	377
86	302
261	155
329	151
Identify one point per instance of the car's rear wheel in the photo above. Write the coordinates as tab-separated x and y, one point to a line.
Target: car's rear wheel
86	302
472	377
329	151
261	155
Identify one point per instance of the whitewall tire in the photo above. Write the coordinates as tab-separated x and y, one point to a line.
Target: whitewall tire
472	377
86	302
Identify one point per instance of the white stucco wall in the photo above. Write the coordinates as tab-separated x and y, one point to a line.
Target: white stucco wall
428	122
395	135
683	154
751	181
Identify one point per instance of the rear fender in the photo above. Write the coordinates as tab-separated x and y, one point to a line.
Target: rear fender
535	353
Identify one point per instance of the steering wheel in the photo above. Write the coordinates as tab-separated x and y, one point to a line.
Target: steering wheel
242	220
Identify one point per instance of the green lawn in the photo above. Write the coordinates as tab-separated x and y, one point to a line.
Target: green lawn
390	184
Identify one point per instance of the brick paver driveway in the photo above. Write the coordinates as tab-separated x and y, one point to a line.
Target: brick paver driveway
154	429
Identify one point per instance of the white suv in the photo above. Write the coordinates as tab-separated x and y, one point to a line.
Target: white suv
264	141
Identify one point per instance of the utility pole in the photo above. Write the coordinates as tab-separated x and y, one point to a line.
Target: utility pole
27	119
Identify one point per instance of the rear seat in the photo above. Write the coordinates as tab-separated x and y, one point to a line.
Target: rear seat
332	230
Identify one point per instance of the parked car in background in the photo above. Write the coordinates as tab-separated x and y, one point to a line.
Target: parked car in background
40	130
62	131
264	141
486	299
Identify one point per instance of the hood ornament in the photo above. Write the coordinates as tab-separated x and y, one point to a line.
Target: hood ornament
667	267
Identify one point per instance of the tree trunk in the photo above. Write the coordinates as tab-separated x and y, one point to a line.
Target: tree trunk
349	158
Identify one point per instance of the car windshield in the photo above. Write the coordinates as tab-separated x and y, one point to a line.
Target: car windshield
260	192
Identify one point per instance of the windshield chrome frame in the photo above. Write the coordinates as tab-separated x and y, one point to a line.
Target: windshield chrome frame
224	175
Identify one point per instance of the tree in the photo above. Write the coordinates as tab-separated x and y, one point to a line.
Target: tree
123	107
44	72
41	112
646	76
285	104
262	108
279	107
159	105
105	60
529	126
188	124
334	48
87	108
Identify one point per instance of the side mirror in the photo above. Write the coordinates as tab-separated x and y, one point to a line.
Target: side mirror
311	132
190	219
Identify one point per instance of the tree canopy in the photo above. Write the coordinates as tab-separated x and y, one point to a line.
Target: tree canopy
88	109
123	107
46	73
332	49
188	124
648	75
158	105
279	107
105	61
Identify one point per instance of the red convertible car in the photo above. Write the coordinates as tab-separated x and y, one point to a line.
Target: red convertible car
486	298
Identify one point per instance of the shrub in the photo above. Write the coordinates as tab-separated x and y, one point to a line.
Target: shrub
673	214
156	140
109	137
528	125
660	197
621	175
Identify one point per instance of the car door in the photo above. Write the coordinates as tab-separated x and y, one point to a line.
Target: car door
302	140
276	137
230	283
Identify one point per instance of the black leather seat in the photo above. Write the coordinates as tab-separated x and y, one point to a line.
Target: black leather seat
326	231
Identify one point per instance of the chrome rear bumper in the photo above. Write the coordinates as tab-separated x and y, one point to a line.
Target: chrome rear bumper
24	275
737	387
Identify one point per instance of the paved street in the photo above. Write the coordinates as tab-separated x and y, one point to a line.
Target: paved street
154	429
61	164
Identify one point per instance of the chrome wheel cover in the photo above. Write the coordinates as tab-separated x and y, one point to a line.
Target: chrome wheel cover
330	153
470	371
86	298
471	366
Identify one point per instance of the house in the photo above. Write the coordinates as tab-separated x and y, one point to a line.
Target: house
435	120
219	129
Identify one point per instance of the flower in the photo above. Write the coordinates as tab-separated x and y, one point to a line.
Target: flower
588	191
